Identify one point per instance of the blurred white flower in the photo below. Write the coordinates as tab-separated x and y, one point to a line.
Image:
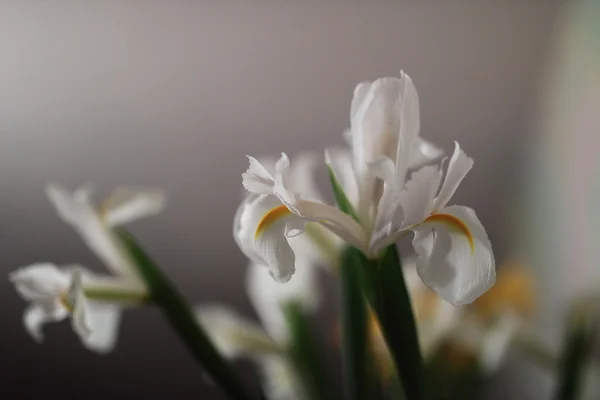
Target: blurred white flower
496	320
267	345
95	224
92	302
455	257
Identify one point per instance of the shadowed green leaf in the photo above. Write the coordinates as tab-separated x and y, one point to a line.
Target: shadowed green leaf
182	320
578	347
385	289
355	340
304	353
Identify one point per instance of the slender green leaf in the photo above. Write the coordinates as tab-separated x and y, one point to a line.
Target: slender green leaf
354	328
578	346
182	320
340	196
304	353
383	284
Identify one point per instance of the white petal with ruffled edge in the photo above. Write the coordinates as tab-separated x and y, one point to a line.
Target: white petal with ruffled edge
458	167
257	179
454	255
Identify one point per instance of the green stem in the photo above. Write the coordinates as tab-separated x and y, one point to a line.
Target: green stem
183	321
578	345
384	286
304	354
117	296
354	330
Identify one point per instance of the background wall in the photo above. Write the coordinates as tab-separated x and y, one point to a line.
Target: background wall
174	94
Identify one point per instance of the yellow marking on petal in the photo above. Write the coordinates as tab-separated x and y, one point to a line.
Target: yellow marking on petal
455	222
270	218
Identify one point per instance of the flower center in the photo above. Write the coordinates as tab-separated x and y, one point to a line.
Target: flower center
456	223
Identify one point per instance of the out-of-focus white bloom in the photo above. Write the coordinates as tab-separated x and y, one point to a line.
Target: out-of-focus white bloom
267	345
455	257
92	302
95	225
490	326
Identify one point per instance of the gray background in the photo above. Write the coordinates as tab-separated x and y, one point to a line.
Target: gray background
174	94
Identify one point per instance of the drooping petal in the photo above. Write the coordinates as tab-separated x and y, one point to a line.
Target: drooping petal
104	321
455	257
268	297
423	153
36	315
416	199
126	205
257	179
458	167
95	233
234	335
271	243
260	228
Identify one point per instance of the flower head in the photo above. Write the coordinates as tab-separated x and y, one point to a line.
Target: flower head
454	256
275	212
92	302
56	293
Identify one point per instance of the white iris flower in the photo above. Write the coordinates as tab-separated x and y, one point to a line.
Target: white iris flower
454	255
